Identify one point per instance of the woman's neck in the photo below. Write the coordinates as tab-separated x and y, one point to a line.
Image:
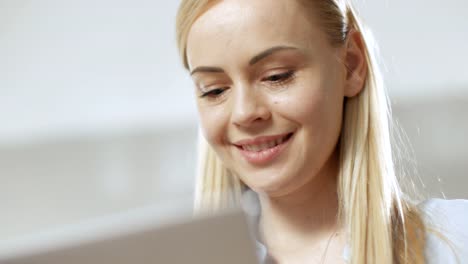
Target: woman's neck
307	216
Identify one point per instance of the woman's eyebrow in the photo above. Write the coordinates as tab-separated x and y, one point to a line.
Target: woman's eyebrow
206	69
262	55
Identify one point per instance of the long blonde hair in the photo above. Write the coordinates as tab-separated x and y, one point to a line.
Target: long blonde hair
383	226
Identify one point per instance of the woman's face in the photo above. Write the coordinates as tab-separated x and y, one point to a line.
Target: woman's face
270	91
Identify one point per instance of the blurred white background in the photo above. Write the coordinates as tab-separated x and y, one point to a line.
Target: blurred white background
98	116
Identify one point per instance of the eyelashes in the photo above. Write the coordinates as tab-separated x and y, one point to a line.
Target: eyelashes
277	79
214	93
280	78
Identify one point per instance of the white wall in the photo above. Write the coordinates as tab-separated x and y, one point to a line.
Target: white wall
97	115
86	66
423	43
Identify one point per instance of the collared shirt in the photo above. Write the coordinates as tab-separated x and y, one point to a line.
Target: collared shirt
449	217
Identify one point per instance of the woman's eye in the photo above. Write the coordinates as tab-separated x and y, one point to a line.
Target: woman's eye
280	77
214	93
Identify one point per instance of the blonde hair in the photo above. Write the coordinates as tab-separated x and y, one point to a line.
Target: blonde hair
383	226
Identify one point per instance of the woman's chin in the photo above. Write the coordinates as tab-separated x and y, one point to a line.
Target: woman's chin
269	186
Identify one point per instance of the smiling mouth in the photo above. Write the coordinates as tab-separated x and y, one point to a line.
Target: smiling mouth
264	151
265	145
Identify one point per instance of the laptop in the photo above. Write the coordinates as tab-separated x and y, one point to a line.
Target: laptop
221	238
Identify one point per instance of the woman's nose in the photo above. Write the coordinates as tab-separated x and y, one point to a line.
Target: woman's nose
249	107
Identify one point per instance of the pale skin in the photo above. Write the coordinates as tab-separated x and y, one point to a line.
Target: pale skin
264	68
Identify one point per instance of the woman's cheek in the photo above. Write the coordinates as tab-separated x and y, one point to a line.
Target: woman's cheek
298	105
213	122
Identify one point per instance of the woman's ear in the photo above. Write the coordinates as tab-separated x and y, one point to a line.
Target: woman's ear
355	63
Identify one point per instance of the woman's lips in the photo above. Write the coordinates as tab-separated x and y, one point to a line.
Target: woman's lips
265	155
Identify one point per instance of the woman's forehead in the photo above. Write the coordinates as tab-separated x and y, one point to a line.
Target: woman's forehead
242	28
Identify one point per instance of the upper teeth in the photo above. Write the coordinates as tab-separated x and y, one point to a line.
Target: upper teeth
264	145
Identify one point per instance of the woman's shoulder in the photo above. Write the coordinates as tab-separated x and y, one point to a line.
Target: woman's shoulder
447	230
444	204
450	215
